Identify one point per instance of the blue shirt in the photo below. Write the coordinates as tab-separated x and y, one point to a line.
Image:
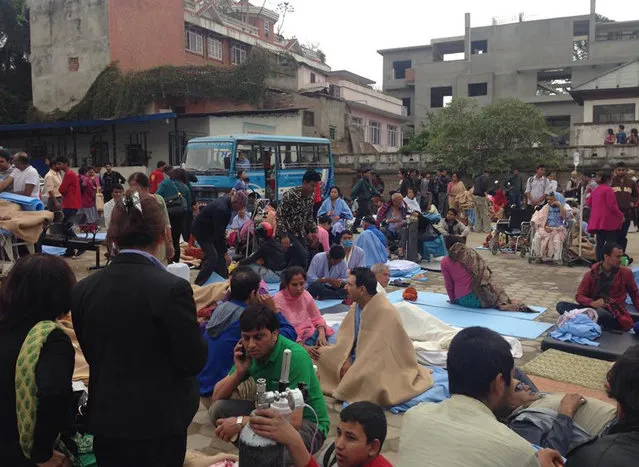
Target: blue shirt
320	269
147	255
554	217
621	137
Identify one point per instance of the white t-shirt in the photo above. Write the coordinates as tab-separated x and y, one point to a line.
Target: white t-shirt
28	176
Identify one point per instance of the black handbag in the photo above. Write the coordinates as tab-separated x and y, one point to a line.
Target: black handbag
176	204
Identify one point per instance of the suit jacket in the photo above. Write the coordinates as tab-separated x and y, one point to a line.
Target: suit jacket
136	324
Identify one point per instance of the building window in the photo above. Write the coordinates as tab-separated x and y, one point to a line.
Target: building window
477	89
440	97
194	42
74	63
375	132
313	78
479	47
392	136
406	105
332	132
267	29
309	118
356	122
400	67
238	54
214	46
613	114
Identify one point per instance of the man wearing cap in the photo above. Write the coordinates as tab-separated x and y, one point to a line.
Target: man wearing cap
269	260
209	229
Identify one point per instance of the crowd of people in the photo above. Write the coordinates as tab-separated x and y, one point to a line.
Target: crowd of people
152	362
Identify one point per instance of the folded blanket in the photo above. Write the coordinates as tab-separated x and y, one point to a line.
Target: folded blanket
580	330
385	370
81	367
25	225
210	294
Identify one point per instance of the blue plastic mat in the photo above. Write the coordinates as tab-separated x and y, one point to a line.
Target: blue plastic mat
441	301
53	250
504	323
27	203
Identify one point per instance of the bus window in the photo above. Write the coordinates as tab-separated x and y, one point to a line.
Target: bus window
208	157
323	155
267	156
246	158
308	154
289	156
315	155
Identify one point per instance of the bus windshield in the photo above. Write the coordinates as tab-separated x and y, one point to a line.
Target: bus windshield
212	157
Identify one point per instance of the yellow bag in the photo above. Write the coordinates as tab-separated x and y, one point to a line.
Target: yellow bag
99	200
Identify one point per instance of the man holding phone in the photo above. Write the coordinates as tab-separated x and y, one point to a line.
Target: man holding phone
264	349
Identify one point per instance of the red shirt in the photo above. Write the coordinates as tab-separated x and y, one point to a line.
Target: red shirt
70	191
157	177
379	461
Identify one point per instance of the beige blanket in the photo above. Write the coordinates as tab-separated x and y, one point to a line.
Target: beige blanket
209	294
26	225
81	367
385	370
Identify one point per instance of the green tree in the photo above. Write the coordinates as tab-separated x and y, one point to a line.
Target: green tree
466	137
15	69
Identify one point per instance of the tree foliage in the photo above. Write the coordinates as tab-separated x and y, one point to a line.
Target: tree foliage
467	137
15	69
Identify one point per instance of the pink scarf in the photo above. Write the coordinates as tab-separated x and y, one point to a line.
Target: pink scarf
302	312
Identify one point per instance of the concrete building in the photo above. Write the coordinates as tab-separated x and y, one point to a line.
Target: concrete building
607	101
535	61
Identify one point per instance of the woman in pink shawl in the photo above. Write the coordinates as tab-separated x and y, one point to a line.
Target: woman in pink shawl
300	309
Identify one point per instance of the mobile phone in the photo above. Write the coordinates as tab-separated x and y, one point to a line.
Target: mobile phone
243	350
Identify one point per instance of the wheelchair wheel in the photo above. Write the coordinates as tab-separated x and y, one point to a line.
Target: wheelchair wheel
494	246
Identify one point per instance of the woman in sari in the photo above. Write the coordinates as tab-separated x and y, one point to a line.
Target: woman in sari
335	207
550	232
455	188
469	280
298	307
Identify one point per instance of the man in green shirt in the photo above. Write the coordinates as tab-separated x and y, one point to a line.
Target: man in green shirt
257	355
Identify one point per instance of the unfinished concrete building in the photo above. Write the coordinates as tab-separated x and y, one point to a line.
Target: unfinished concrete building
536	61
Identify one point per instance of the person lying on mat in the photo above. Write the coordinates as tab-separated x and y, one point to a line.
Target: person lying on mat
464	430
327	275
269	260
557	421
223	329
259	354
355	256
373	242
619	444
605	288
469	282
382	274
298	307
371	341
360	436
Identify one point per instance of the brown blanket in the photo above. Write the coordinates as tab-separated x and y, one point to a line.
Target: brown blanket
81	367
209	294
23	224
385	370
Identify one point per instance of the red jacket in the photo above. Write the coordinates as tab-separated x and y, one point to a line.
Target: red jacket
622	285
604	212
70	191
157	177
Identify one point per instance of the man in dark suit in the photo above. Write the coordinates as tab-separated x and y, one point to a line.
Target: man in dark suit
143	354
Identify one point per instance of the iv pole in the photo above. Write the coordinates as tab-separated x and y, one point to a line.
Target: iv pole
580	260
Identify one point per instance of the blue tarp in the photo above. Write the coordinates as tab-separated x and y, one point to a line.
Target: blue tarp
27	203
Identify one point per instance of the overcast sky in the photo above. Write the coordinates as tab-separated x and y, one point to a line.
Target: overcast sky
351	31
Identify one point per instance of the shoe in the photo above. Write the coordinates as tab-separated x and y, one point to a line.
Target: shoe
68	254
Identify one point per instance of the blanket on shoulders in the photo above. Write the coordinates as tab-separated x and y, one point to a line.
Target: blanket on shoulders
385	370
210	294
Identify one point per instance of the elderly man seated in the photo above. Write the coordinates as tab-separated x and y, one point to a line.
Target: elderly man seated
327	274
550	232
372	242
605	288
371	342
391	220
382	274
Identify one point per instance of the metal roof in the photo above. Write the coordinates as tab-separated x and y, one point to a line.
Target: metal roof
255	137
85	123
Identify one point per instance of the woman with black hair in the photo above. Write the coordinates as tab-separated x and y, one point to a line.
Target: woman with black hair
36	361
177	196
144	352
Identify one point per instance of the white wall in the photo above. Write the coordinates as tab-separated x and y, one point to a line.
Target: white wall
280	124
363	95
589	104
304	77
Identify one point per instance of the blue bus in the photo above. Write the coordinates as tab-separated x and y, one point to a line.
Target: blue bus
274	163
